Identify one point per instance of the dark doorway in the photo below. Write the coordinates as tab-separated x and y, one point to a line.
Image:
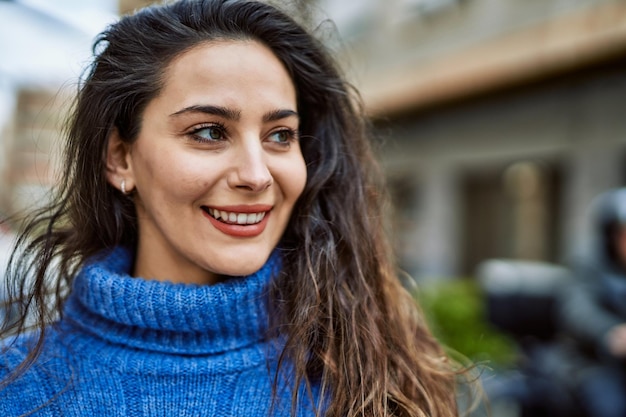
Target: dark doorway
510	211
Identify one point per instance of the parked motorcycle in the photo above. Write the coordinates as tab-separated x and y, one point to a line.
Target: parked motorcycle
521	299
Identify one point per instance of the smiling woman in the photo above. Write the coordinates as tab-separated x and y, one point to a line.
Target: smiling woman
216	245
217	166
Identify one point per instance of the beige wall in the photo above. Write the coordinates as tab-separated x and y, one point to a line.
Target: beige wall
128	6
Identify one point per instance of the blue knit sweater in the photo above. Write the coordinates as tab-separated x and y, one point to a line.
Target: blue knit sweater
132	347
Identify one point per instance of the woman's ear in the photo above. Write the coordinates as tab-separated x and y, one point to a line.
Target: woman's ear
119	169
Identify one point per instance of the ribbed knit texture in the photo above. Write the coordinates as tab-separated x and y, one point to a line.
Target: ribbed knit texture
133	347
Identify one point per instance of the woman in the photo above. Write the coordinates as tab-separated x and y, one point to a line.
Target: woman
217	245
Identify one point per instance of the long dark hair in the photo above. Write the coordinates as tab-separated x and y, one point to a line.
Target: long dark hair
348	323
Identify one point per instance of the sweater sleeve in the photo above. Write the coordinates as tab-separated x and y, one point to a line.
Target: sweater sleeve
27	392
582	314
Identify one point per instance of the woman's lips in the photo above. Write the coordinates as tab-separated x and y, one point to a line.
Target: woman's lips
239	220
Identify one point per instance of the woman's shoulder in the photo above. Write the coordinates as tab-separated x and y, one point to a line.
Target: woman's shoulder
14	350
23	391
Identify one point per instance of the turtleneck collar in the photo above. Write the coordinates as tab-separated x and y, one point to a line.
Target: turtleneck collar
165	317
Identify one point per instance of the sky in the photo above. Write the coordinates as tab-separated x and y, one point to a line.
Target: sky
43	41
89	15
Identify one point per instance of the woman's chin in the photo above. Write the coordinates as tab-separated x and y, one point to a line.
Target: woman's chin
236	269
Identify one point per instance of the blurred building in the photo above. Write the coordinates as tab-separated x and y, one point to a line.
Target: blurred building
43	48
500	120
30	145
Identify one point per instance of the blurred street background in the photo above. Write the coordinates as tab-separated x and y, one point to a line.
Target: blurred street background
497	122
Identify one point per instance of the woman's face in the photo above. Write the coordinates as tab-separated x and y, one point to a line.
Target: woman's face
217	166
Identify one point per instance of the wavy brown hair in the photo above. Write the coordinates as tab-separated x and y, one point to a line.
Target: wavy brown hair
349	326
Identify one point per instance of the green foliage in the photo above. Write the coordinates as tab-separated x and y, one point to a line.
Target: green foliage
455	310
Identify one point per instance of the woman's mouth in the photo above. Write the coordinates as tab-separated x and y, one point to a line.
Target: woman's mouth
230	217
239	221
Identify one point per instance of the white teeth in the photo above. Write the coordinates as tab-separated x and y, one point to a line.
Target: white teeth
238	218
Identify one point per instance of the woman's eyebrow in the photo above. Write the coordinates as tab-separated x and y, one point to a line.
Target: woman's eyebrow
279	114
233	114
225	112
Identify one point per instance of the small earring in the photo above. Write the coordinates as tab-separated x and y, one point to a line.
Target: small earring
123	187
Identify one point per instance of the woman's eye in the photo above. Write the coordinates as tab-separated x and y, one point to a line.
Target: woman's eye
282	136
209	133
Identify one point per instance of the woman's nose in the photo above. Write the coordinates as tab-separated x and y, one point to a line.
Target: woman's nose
251	171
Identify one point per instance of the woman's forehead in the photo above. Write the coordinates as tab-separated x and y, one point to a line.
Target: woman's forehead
224	72
243	77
